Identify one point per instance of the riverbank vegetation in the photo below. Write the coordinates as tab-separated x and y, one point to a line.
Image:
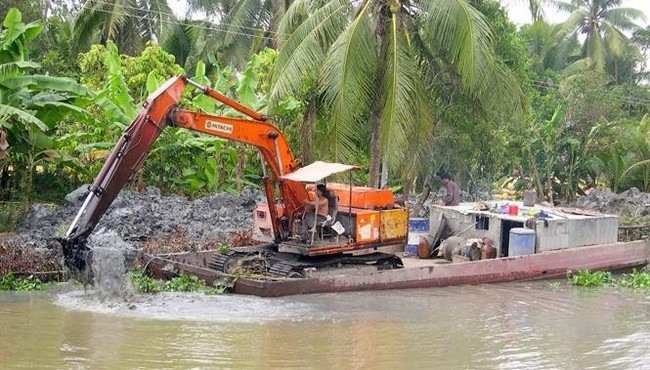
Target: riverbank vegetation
559	108
10	214
635	280
142	283
29	283
23	268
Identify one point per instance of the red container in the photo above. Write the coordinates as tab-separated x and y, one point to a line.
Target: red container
513	209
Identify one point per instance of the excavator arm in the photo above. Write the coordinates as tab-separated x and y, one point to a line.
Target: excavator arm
272	145
161	110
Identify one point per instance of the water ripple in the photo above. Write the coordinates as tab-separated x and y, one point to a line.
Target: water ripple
530	325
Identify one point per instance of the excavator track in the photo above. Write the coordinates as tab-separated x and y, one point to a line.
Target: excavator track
296	268
265	260
288	269
219	260
233	258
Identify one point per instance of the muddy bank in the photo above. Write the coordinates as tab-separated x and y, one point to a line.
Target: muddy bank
23	261
631	202
134	218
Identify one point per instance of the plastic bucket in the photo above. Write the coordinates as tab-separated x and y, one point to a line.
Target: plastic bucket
418	227
521	242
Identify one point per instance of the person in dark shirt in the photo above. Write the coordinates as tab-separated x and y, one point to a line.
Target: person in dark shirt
452	198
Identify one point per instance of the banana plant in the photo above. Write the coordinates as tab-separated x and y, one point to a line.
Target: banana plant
227	166
544	148
31	105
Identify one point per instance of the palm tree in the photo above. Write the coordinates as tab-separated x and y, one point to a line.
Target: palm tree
603	23
183	42
534	7
381	66
536	11
548	48
128	23
244	27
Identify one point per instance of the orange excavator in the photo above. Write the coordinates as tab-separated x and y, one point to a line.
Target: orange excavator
361	221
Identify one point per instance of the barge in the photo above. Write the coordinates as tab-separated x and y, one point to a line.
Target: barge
562	240
416	273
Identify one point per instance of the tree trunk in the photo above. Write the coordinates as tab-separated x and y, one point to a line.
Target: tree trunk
384	173
241	163
4	183
375	142
375	154
426	190
27	185
549	186
306	132
538	180
406	191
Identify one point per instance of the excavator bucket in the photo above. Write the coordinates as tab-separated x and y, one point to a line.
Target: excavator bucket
77	257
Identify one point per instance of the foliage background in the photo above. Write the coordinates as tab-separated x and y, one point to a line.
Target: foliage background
571	114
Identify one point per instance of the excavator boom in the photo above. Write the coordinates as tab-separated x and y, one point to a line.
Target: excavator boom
161	110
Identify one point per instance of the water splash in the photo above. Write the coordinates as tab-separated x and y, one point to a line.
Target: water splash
109	273
109	265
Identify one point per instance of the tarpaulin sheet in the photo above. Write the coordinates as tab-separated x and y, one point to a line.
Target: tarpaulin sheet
317	171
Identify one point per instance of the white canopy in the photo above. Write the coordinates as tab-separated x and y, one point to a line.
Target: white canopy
317	171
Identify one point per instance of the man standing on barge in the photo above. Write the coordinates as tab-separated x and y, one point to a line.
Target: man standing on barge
452	198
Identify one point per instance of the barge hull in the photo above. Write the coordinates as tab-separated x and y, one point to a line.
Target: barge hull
551	264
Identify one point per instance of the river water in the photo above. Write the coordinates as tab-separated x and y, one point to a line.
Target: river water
531	325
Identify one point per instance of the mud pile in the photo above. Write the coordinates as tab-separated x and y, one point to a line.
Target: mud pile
134	218
630	202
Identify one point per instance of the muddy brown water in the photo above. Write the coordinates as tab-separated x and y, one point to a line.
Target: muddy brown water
532	325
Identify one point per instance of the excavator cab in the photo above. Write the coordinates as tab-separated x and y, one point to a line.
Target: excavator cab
360	218
363	226
328	231
310	175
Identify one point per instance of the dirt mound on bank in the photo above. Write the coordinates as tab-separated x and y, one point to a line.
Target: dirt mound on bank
631	202
134	218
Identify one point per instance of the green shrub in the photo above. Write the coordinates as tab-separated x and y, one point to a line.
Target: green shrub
636	280
30	283
224	249
10	214
219	289
142	283
591	279
184	283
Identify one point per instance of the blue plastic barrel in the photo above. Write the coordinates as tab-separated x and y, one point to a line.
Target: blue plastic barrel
418	227
521	242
